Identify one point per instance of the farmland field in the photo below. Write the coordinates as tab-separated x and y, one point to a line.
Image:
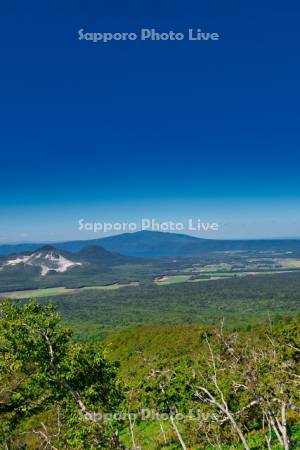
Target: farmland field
165	280
49	292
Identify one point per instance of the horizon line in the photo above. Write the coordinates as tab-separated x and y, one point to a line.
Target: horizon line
45	242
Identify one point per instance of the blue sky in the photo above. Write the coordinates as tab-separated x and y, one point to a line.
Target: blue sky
170	130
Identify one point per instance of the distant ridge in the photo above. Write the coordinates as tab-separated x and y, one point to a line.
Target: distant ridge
155	244
99	255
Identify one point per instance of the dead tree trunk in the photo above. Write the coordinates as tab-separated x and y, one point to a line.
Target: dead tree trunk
177	432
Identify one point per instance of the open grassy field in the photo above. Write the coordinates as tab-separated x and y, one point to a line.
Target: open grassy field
289	263
53	292
36	293
172	279
210	276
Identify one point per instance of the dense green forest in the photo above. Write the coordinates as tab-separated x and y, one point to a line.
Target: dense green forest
149	387
241	301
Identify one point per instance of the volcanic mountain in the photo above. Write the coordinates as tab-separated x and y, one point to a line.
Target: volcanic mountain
46	258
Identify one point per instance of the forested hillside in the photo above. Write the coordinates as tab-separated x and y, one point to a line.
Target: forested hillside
151	387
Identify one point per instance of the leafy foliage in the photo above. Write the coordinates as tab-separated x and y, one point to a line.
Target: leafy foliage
44	374
202	387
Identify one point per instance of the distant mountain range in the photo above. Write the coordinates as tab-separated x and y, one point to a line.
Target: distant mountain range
123	259
160	244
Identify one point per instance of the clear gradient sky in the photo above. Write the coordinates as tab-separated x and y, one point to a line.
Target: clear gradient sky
170	130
